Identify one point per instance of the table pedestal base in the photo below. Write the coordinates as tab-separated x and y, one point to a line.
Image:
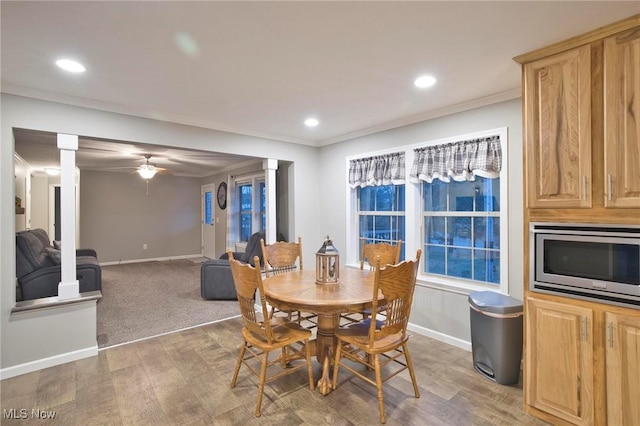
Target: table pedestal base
325	340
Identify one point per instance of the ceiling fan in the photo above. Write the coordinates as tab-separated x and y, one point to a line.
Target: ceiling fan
148	170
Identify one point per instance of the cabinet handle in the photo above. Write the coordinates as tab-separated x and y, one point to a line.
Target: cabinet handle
609	186
585	331
584	188
610	339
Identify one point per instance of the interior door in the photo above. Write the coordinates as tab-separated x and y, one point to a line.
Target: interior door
208	220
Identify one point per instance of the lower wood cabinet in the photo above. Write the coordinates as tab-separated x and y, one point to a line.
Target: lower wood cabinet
623	369
569	346
559	360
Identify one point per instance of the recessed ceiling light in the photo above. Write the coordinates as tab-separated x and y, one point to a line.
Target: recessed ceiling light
52	171
70	65
311	122
425	81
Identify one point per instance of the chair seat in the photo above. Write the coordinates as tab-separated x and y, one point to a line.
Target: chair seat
363	325
358	336
285	333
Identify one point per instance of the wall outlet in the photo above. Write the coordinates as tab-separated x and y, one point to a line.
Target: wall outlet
144	246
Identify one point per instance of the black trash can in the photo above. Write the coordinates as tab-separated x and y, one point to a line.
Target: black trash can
496	335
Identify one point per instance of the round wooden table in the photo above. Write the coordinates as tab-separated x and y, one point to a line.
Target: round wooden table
298	291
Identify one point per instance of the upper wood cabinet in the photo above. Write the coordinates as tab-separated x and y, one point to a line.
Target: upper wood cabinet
557	104
622	119
581	110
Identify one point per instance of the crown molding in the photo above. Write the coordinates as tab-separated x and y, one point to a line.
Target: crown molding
29	92
137	112
428	115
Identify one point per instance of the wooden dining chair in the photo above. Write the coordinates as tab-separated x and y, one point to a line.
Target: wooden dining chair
281	257
374	347
262	335
389	255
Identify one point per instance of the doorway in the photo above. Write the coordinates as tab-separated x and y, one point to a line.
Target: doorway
208	221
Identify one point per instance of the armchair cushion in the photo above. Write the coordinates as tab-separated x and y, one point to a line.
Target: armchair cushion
54	255
216	281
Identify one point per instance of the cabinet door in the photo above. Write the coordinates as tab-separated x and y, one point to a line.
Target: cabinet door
623	370
557	106
559	360
622	119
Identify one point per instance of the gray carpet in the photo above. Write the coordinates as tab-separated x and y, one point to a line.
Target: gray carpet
146	299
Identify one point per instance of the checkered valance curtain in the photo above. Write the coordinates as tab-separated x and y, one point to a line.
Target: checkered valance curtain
378	170
460	161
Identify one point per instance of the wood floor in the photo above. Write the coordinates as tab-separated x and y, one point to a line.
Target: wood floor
183	379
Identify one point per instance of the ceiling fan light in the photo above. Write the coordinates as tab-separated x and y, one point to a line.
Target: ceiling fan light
147	171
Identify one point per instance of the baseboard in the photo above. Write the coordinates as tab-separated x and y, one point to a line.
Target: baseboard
39	364
445	338
151	259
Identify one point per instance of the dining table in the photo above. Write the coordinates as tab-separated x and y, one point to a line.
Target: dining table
298	291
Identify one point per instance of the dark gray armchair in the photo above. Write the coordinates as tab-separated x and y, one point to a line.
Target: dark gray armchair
216	282
38	266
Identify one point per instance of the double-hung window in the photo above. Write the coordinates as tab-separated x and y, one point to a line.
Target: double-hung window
461	209
461	223
380	185
381	214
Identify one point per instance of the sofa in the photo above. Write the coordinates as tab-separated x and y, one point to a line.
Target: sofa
38	266
216	281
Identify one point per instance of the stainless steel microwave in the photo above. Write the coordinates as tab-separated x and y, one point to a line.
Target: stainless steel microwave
586	261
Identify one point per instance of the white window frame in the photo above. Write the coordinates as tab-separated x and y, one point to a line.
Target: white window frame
414	217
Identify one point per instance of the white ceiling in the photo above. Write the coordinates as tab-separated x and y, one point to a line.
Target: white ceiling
261	68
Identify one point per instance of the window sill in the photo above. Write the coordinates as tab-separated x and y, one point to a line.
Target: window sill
52	302
453	286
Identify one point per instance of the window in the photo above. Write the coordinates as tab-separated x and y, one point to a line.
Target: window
208	208
252	199
381	214
263	204
451	205
245	195
461	223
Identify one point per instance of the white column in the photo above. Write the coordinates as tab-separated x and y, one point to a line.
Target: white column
270	166
69	287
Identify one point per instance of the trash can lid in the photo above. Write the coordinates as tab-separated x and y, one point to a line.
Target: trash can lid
490	301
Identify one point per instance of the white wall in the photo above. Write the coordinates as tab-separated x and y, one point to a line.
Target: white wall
436	311
68	332
39	202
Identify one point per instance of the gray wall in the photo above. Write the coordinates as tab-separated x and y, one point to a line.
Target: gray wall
117	216
316	206
64	334
222	216
440	312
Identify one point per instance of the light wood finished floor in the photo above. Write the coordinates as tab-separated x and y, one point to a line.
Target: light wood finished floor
183	379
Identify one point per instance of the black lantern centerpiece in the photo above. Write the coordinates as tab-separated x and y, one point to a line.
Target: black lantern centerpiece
327	263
